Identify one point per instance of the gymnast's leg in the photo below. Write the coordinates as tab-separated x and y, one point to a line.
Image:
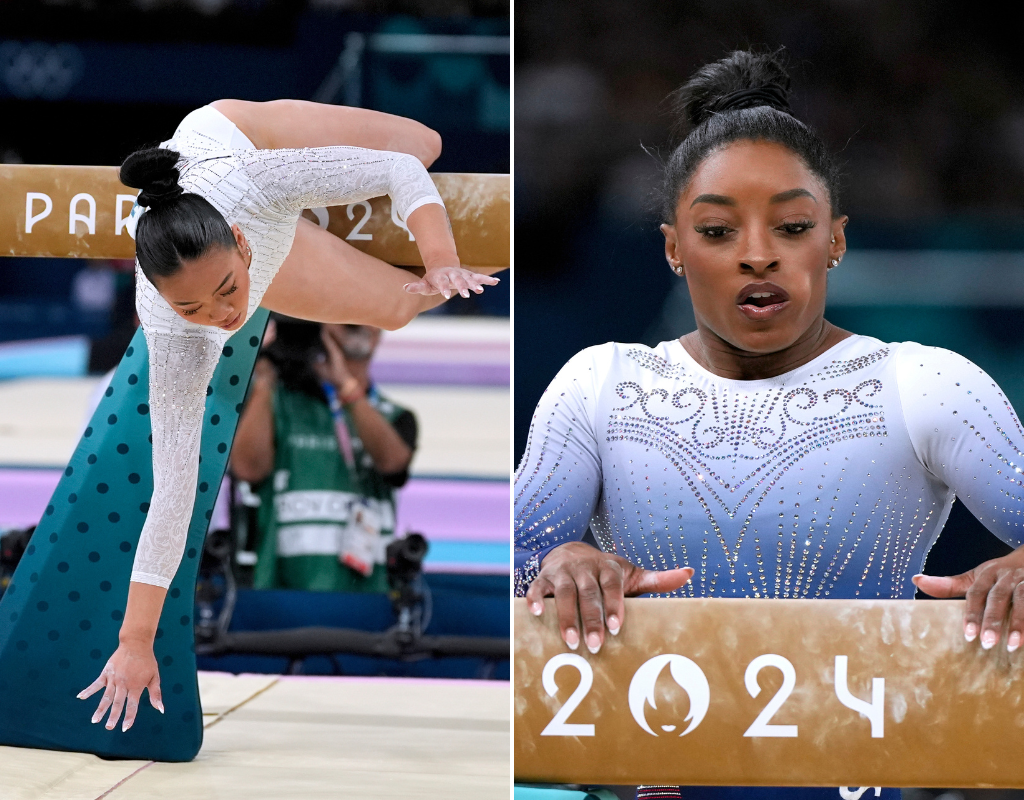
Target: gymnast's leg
325	279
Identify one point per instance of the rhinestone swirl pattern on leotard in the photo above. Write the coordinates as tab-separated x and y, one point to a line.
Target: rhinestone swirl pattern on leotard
832	480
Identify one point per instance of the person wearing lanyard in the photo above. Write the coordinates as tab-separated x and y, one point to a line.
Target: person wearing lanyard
326	451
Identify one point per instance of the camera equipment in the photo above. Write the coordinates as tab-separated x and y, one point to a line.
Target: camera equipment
215	587
404	561
294	352
405	640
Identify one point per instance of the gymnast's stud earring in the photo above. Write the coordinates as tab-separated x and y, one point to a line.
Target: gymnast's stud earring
835	264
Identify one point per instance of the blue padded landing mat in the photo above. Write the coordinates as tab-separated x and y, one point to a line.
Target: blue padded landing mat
60	615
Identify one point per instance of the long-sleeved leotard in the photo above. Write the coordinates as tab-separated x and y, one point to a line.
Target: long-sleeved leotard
263	192
832	480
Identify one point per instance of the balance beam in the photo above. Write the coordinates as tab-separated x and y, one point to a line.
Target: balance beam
769	693
82	212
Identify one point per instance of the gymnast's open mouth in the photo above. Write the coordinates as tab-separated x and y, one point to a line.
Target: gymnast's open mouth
762	300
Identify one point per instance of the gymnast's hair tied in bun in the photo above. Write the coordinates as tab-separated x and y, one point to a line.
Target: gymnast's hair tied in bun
743	79
154	171
773	96
744	96
178	226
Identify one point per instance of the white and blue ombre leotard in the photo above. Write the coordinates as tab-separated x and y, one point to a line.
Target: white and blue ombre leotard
832	480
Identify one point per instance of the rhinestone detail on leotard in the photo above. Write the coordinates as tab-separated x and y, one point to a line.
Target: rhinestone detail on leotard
828	481
264	192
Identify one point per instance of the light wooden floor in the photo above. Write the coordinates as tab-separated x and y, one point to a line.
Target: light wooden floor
296	737
464	430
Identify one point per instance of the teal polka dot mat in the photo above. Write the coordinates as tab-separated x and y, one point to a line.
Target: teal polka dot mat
60	615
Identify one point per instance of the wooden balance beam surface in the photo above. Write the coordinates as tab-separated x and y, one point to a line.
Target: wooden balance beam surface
770	693
82	212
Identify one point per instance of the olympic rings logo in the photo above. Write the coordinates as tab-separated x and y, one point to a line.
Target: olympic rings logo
40	70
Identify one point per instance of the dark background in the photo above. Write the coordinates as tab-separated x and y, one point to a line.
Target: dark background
923	101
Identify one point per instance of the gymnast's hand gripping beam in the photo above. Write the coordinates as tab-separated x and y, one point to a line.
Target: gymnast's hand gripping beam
83	212
756	692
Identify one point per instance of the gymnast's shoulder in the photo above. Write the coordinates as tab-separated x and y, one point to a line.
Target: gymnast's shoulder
615	361
924	373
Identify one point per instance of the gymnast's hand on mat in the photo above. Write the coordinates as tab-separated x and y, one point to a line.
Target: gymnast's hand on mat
449	280
131	669
995	597
590	584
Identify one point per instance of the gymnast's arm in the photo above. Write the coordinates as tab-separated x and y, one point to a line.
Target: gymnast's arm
294	124
181	365
557	487
966	433
293	180
298	124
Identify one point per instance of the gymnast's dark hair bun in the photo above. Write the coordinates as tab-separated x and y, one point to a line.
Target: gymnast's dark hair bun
155	171
179	226
744	96
743	79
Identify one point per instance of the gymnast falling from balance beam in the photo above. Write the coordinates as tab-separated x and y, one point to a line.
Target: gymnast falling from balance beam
219	235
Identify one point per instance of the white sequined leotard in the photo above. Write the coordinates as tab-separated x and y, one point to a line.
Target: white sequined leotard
832	480
263	192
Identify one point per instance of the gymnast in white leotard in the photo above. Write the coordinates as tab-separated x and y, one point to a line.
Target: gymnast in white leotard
218	233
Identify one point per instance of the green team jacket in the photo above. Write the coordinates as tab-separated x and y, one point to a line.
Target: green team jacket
306	500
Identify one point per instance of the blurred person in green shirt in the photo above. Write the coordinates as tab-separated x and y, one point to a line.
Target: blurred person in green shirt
324	451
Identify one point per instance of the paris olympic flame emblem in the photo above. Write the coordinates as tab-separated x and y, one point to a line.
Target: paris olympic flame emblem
685	673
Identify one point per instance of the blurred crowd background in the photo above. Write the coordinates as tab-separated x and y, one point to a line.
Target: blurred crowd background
924	103
86	83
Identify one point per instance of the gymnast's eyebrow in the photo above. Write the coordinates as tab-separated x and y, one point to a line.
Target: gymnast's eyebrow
792	194
190	302
716	199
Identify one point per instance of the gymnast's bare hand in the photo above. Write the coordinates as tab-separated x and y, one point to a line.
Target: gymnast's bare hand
995	596
448	280
131	669
590	584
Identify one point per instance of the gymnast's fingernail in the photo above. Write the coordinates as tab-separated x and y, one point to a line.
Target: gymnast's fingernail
536	609
96	718
988	638
572	638
593	643
1013	642
613	625
970	632
80	695
447	294
464	292
125	726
